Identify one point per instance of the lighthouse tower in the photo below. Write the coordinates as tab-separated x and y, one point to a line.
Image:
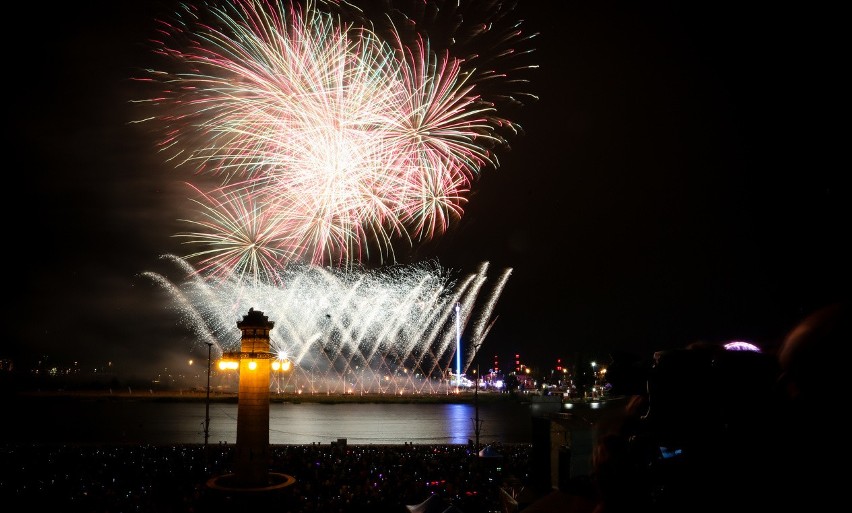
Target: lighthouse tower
252	484
252	459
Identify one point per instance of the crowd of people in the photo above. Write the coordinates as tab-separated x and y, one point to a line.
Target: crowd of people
702	429
328	478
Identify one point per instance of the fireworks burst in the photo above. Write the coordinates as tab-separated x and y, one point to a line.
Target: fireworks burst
331	138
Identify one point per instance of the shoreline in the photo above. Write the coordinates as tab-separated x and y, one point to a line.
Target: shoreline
232	397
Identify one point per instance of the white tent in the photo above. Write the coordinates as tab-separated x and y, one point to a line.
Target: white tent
433	504
489	452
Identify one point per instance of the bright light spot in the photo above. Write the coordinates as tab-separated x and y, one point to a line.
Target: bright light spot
741	346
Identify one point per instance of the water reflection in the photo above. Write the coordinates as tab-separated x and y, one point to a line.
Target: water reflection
459	422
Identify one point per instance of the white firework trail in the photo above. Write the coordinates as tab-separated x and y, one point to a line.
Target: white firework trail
384	331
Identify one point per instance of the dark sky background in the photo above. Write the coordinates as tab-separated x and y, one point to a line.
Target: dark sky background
680	179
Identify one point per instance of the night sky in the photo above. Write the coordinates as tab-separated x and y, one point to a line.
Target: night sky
679	180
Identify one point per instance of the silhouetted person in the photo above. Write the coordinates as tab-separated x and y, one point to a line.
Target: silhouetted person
814	441
700	439
811	357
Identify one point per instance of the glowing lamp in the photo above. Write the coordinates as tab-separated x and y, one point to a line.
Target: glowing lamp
281	365
228	365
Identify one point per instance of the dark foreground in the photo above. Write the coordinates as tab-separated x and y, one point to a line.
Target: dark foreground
328	478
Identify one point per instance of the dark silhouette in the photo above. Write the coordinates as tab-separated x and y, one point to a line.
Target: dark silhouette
811	444
696	434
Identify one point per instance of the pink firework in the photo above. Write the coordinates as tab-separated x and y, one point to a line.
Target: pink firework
330	142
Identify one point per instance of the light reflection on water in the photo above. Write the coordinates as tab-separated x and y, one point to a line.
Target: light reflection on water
396	423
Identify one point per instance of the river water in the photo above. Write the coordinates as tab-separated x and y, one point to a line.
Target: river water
163	422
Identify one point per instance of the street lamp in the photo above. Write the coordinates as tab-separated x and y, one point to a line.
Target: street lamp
477	422
594	379
207	403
